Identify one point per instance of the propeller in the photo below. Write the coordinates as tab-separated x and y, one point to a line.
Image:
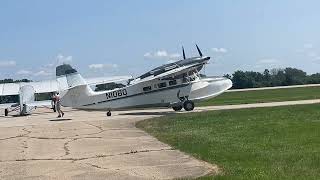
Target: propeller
199	51
184	55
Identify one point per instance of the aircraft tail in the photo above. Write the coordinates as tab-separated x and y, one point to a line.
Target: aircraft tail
72	87
68	77
26	95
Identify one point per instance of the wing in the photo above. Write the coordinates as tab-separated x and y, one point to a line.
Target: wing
39	103
170	73
45	86
7	105
9	89
52	85
104	80
39	87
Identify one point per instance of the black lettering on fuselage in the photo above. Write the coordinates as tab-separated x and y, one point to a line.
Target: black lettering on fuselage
117	93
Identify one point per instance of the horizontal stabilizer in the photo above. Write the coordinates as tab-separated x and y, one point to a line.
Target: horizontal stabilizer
39	103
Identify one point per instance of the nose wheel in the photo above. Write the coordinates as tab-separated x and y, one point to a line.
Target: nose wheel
109	113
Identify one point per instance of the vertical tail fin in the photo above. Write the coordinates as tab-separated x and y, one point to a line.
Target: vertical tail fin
68	77
72	87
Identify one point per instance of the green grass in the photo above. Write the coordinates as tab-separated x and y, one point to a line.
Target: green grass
261	143
260	96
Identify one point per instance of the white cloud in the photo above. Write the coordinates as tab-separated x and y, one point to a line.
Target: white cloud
24	72
171	61
308	46
317	58
312	54
309	52
61	59
268	61
7	63
148	54
219	50
96	66
49	65
42	73
161	54
175	55
102	66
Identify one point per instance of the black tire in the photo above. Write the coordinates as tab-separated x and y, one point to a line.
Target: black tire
177	108
188	105
109	113
6	112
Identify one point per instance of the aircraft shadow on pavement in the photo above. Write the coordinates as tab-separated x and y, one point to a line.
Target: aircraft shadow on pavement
61	119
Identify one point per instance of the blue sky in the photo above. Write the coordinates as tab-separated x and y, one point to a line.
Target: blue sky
129	37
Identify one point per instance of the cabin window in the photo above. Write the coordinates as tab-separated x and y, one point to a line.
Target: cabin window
147	88
162	85
172	83
108	86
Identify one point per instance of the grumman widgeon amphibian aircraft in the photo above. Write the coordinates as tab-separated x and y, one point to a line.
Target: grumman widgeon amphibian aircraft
175	85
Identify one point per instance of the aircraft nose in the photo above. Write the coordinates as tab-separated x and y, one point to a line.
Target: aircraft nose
206	58
228	83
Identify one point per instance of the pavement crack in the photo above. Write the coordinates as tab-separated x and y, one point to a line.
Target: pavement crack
95	126
96	166
100	128
66	148
26	130
86	158
124	153
18	136
33	137
11	137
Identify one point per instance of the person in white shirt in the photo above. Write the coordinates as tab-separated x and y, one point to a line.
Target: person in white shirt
58	105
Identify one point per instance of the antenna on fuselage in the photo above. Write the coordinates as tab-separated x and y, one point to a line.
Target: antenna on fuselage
199	51
183	53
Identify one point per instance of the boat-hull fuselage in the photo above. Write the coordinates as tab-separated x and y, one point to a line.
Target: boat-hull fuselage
155	93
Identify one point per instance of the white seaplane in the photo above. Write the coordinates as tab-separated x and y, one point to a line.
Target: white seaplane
175	85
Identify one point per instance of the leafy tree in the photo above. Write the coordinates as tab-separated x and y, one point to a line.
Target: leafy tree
273	77
294	76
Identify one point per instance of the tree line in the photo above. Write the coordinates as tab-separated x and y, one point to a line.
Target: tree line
13	81
271	78
246	79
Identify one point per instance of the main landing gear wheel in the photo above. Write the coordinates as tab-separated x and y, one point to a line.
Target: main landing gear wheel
177	108
188	105
109	113
6	112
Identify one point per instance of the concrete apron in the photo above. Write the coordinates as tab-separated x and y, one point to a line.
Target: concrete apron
90	145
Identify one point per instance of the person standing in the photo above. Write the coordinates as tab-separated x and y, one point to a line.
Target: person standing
58	105
53	102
